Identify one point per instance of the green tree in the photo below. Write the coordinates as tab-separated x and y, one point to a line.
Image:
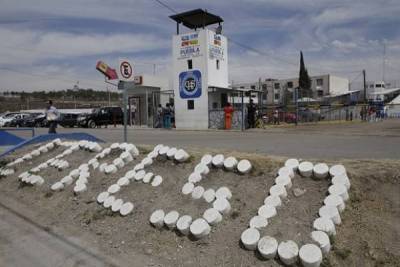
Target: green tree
304	79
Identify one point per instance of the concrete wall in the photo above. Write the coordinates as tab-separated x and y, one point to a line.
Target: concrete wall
338	85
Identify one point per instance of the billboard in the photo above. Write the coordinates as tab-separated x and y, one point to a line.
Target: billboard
107	71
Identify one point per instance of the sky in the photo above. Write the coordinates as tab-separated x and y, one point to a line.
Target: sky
54	44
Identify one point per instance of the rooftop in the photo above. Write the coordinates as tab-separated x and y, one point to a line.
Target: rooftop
196	18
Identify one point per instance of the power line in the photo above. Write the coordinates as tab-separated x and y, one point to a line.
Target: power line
166	6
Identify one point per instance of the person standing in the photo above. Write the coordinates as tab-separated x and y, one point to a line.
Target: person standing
159	123
167	116
52	116
228	110
251	111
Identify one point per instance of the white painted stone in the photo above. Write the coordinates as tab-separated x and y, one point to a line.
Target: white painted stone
321	170
194	177
108	202
123	181
337	170
267	247
158	147
250	238
130	174
288	252
102	167
43	149
258	222
171	218
95	165
223	192
187	188
35	153
106	151
230	163
286	171
132	149
23	175
80	188
114	188
157	218
212	216
67	180
267	211
322	240
181	155
84	174
284	181
340	190
278	190
326	225
183	224
209	195
50	146
147	161
336	201
114	146
292	163
74	173
200	228
119	163
341	179
126	208
197	192
58	186
140	175
310	255
163	151
171	152
27	157
138	167
102	197
117	204
82	181
218	160
157	181
147	177
202	169
306	169
244	166
222	205
207	159
330	212
126	157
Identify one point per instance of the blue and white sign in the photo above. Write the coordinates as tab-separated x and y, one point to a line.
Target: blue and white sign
190	84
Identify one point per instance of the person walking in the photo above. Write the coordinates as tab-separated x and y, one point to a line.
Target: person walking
251	111
276	116
52	116
159	123
167	117
228	110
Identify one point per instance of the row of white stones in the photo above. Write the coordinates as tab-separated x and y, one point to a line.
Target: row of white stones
82	173
201	227
138	173
30	177
288	251
9	169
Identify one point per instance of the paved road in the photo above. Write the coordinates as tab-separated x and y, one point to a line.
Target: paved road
332	141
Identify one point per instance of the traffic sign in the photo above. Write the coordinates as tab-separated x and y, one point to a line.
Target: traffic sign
125	70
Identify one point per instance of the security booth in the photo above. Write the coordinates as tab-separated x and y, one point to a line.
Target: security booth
144	97
200	68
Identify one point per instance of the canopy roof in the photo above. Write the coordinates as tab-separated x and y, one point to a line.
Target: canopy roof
196	18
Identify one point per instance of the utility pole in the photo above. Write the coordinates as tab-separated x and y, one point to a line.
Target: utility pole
365	88
383	62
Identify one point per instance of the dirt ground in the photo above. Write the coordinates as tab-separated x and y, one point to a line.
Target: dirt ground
368	236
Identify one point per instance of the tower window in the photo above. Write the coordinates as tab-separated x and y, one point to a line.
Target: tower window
190	104
217	62
190	64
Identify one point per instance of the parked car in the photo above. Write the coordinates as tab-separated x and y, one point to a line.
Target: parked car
68	119
7	117
10	121
36	121
18	121
101	116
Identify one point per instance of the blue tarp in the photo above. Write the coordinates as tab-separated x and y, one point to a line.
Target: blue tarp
8	139
49	137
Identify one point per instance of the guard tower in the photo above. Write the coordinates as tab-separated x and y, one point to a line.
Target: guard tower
200	66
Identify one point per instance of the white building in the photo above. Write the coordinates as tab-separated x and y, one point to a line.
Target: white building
200	69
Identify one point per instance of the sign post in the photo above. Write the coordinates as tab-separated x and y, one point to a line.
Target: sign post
126	75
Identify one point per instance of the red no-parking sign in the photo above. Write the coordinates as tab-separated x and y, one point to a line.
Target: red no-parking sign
126	70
